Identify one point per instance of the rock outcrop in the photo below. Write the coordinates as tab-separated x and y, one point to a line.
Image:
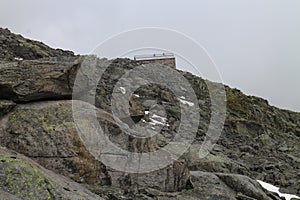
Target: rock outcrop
258	141
15	47
22	178
37	80
51	139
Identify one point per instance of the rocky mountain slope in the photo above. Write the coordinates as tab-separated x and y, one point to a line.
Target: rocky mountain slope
15	47
43	156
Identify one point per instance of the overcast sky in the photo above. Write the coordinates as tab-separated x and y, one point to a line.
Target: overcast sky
255	43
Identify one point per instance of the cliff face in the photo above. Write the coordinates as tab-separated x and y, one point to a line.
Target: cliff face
258	141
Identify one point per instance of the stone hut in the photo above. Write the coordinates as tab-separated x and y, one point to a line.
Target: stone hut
163	58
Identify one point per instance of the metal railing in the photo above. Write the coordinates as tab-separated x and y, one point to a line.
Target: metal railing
154	56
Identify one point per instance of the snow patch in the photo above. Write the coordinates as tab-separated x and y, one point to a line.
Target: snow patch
123	90
155	122
18	58
275	189
158	120
185	102
163	119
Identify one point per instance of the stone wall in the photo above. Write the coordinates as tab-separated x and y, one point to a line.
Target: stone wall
171	62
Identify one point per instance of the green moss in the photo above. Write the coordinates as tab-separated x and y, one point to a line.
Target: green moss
13	117
238	103
175	111
24	179
44	119
35	46
16	120
47	126
290	125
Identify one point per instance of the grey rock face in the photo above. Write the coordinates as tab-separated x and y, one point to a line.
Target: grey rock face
258	141
22	178
15	47
36	80
6	106
51	139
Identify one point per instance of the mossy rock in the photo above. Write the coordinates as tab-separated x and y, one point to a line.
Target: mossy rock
22	178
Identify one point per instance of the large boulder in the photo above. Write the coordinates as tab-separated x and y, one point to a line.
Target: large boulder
22	178
218	186
211	162
225	186
51	139
37	80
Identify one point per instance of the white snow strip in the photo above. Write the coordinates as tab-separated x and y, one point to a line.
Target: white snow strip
182	97
136	95
18	58
275	189
186	102
123	90
163	119
155	122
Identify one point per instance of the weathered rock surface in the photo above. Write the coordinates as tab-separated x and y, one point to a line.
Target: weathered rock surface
15	47
258	141
226	186
6	106
37	80
7	196
51	139
212	162
213	186
264	139
22	178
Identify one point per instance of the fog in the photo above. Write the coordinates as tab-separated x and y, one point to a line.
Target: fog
255	43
